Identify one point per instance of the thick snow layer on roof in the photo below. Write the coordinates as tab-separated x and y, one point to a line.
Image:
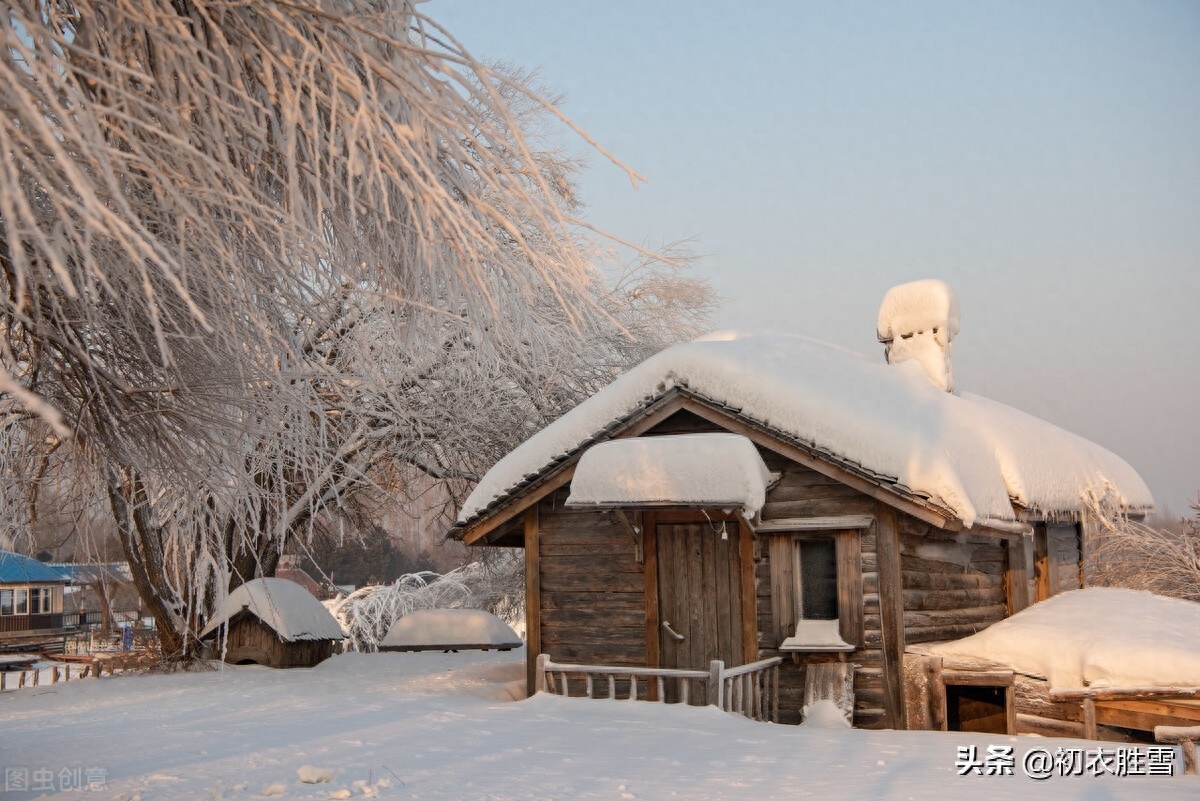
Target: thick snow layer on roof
285	606
450	628
1099	637
698	469
918	321
918	306
966	453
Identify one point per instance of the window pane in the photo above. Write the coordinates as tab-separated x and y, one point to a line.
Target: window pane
6	602
818	579
22	602
35	598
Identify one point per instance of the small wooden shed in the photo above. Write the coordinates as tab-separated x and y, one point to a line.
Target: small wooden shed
845	510
276	623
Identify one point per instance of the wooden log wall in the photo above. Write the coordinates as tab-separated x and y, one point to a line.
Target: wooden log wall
593	599
954	584
250	638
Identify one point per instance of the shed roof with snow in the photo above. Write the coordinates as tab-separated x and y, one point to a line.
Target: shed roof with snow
449	629
284	606
970	458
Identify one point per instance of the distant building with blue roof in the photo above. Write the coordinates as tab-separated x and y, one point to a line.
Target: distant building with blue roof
31	602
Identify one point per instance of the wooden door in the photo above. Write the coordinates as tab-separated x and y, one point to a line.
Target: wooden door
700	594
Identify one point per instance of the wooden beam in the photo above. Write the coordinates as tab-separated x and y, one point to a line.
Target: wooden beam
533	599
650	573
826	523
749	622
1016	575
891	612
771	442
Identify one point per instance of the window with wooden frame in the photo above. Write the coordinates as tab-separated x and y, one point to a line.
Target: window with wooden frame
816	590
6	602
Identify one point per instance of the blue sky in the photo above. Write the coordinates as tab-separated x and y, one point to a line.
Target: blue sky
1042	157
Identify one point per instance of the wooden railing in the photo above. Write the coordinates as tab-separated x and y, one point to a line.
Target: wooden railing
751	690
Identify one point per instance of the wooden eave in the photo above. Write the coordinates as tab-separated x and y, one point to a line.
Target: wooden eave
499	524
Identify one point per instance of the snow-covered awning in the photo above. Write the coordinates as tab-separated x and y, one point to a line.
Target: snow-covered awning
721	470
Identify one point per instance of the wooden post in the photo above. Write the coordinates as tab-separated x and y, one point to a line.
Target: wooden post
891	613
715	680
1016	578
3	676
54	674
540	674
1089	718
533	599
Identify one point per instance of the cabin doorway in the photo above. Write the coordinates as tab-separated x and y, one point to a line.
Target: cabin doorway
700	593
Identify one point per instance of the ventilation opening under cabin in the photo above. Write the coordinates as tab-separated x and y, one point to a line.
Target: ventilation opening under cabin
977	708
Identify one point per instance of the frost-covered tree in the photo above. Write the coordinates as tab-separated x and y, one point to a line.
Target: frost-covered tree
1128	553
258	256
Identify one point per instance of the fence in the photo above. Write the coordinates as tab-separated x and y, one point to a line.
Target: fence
751	690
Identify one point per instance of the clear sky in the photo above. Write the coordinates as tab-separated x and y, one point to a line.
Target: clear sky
1043	157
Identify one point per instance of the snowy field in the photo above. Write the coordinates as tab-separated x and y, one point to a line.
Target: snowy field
441	726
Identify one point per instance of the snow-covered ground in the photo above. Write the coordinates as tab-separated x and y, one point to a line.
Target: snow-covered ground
441	726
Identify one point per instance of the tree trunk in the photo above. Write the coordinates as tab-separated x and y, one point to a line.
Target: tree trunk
142	544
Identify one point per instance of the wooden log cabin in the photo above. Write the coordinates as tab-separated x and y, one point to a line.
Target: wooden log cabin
889	513
31	603
275	623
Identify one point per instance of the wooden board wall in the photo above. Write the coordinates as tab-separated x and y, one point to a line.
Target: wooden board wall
250	638
592	599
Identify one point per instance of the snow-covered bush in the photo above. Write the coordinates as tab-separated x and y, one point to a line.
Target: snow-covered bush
1125	553
496	585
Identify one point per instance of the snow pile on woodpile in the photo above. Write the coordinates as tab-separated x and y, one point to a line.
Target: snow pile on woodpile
1096	637
723	470
447	629
284	605
972	456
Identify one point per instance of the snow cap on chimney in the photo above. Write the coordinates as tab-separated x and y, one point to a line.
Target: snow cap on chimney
919	320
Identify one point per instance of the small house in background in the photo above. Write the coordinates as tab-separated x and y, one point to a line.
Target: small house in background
771	498
31	604
289	569
450	630
275	623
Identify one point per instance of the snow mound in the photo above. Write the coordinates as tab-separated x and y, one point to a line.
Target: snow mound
289	609
698	469
443	629
825	714
1098	637
970	455
312	775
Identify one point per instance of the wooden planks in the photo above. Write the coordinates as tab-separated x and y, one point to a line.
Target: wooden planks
887	545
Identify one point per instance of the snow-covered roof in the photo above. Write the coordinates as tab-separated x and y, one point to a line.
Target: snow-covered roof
444	629
687	469
286	607
970	455
1097	637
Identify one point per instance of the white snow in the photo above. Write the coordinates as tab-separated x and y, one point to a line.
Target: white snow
283	605
825	714
722	470
430	726
966	453
450	628
1099	637
918	321
811	635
